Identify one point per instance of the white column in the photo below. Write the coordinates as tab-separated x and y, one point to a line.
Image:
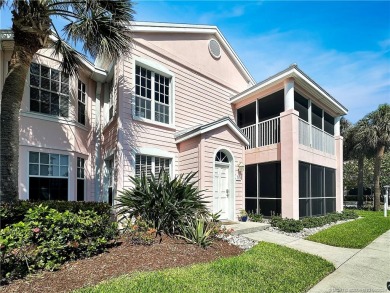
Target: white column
337	125
289	94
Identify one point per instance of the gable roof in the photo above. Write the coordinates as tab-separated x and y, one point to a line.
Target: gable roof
199	129
300	78
160	27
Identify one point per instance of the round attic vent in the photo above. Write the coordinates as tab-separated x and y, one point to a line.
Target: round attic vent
215	49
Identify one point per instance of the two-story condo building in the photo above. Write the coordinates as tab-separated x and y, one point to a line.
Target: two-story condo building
183	101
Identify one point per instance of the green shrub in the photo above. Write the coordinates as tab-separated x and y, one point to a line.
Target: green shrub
163	202
199	231
255	217
140	232
290	225
14	212
48	238
312	222
275	220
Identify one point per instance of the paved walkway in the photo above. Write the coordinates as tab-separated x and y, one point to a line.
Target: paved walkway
357	270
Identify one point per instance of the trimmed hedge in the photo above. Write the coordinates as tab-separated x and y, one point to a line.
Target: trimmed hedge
293	226
47	238
14	212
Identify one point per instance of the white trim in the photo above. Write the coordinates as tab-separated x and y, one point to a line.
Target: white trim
156	123
150	27
232	181
155	152
207	129
52	118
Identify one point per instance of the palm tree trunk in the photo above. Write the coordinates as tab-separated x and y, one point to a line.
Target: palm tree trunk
10	104
377	170
360	181
26	45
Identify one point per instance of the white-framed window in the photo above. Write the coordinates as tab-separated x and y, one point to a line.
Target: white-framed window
80	179
151	165
49	91
81	93
48	176
153	92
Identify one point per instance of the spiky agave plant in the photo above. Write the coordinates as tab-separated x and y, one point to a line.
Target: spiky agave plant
166	203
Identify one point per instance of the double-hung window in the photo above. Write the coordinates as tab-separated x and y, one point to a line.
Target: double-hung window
48	176
152	95
81	103
49	91
149	165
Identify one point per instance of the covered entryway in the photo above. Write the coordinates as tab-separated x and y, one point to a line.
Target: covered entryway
223	199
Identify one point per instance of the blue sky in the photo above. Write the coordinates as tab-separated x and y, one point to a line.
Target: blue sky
343	46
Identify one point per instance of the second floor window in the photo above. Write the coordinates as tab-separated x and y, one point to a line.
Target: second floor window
81	103
152	95
49	91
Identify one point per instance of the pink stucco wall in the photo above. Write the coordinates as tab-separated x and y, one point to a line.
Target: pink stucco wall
52	134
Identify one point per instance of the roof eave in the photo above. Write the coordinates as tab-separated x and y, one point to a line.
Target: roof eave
211	126
299	76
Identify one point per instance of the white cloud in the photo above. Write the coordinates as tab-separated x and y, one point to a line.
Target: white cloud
359	80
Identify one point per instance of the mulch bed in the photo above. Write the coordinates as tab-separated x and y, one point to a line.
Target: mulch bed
122	259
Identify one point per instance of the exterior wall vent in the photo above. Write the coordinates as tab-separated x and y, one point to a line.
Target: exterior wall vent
215	49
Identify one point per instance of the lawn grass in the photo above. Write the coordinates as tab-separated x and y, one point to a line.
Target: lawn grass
355	234
264	268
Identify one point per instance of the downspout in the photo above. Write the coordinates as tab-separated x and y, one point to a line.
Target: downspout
98	135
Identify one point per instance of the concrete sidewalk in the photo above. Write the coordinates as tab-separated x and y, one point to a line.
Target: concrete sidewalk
357	270
367	271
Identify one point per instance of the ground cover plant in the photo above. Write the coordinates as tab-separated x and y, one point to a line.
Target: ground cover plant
46	238
355	234
265	268
294	226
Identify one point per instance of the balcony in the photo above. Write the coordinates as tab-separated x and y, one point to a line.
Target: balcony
312	136
264	133
268	132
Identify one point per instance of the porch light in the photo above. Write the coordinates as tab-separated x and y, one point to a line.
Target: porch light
241	167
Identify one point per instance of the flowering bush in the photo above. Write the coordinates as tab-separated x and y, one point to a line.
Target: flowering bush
47	238
140	232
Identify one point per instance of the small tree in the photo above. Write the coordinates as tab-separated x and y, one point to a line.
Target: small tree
375	133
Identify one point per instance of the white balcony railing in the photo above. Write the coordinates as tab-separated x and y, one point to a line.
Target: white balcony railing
268	132
250	133
304	132
316	138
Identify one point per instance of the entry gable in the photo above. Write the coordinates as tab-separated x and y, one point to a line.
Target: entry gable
201	129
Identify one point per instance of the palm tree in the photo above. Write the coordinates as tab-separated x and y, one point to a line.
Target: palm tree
358	149
376	134
101	26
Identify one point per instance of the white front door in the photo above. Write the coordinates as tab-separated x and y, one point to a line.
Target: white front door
221	190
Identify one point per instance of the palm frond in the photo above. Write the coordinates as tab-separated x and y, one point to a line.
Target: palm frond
71	58
102	26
